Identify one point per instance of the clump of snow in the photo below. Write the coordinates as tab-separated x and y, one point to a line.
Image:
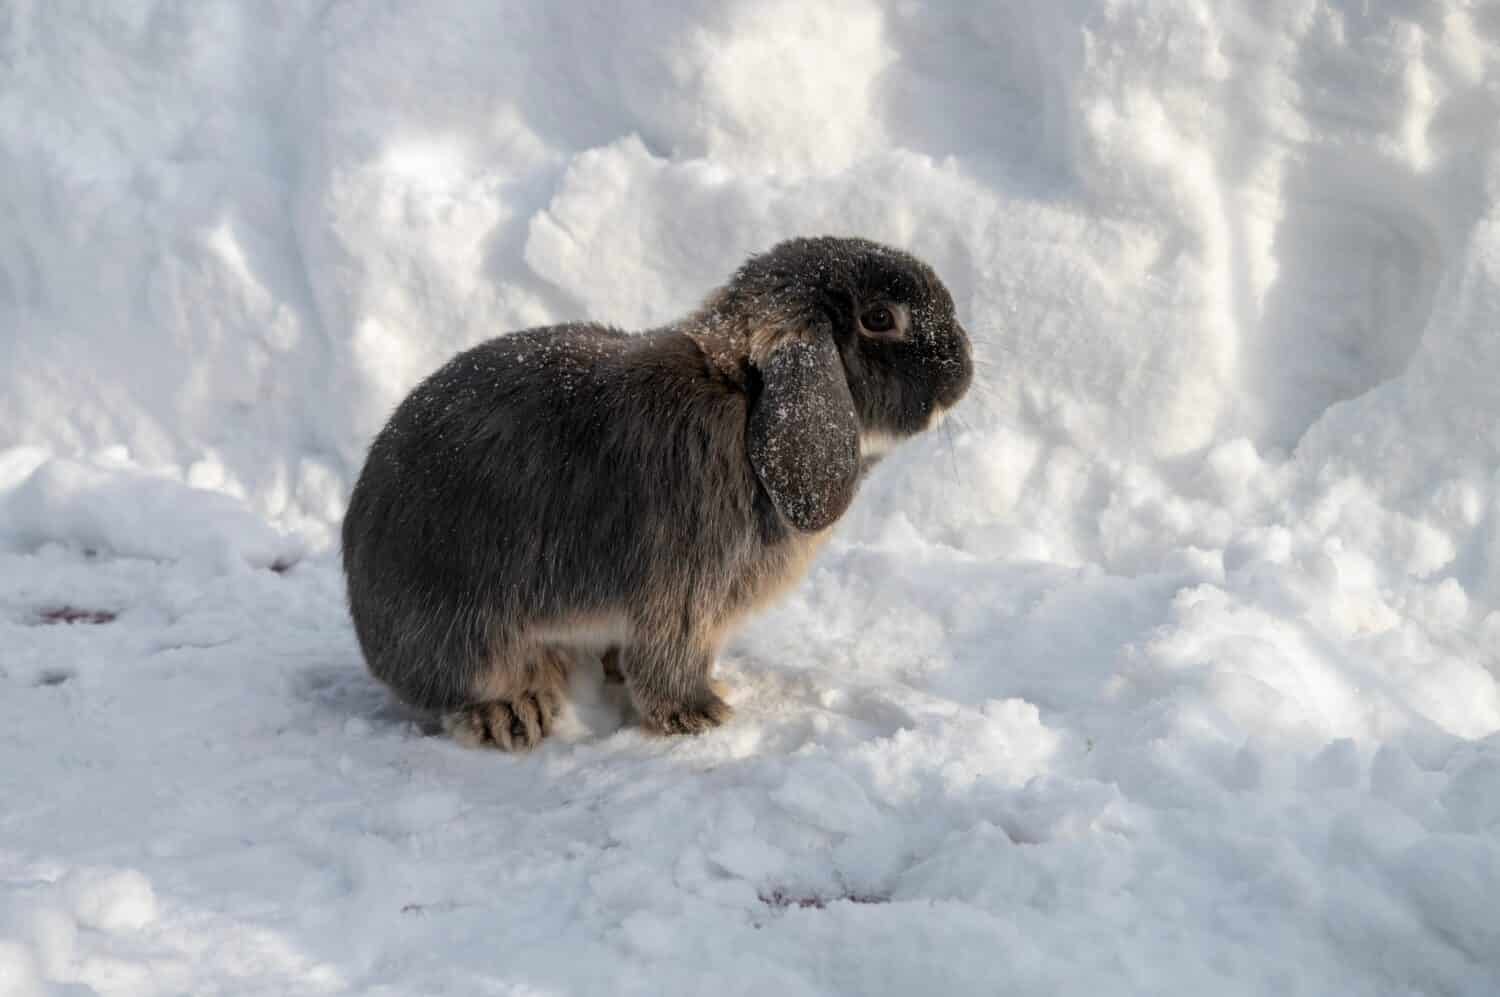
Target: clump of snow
1169	664
111	507
111	901
18	973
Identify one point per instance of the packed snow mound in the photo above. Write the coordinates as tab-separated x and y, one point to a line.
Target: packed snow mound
1169	665
110	507
1168	226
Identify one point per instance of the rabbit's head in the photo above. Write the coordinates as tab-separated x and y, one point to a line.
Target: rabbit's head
856	346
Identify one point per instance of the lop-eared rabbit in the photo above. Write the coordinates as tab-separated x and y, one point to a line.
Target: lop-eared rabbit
582	490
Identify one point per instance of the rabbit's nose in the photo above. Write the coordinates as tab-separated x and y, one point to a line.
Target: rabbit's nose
962	367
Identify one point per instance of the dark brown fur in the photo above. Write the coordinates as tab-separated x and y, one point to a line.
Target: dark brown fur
581	487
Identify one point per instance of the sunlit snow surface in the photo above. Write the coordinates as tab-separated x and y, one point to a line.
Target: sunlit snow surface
1168	665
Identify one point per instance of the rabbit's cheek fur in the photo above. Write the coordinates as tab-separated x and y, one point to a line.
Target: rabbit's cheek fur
876	443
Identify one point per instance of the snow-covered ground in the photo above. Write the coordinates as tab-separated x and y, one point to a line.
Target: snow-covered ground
1171	666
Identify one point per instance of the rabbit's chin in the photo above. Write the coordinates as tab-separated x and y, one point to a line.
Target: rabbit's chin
875	443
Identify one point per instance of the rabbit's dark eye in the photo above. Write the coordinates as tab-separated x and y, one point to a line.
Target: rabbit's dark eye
878	320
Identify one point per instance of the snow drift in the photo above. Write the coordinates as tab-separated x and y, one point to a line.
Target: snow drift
1172	668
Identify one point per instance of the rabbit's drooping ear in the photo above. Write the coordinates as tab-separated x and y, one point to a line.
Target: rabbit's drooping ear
803	436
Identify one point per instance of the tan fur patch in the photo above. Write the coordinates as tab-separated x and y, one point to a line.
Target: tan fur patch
593	632
876	443
775	579
536	669
726	334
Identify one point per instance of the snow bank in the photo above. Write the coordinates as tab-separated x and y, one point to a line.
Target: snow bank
1170	665
109	506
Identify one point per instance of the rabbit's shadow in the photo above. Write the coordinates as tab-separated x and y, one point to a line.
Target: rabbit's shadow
347	691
